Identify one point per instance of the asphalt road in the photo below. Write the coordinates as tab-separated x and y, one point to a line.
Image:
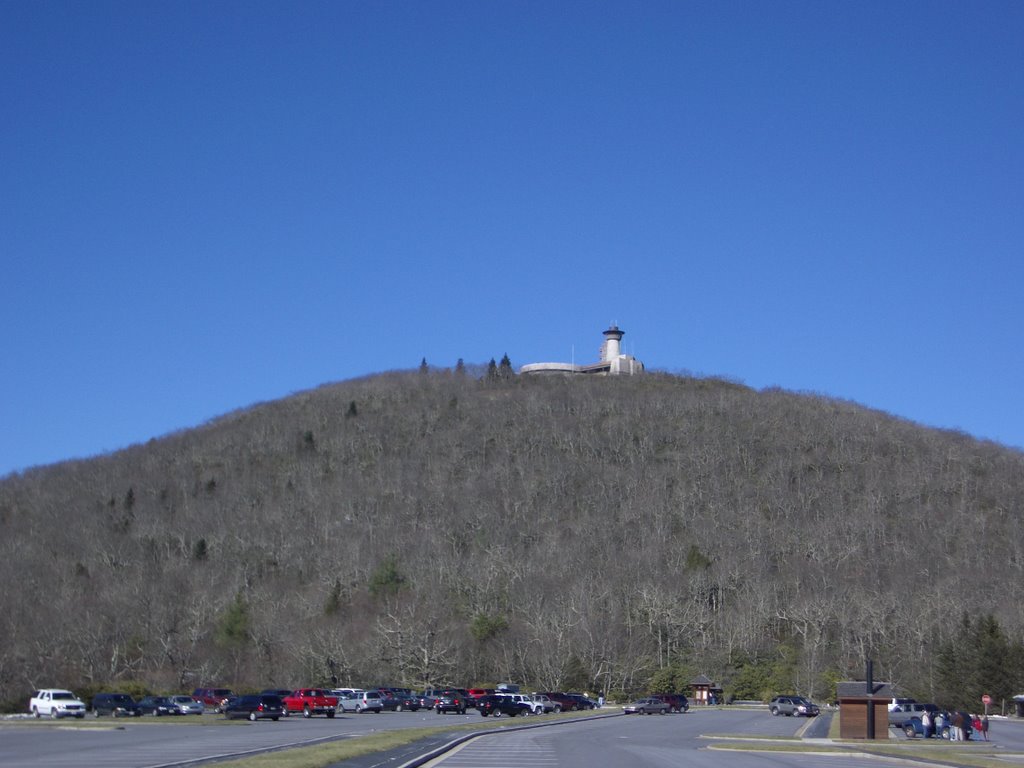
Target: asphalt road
638	741
655	742
166	742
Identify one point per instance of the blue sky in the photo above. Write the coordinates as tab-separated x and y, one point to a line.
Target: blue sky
209	204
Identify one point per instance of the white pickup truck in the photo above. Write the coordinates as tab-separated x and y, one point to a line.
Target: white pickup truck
56	702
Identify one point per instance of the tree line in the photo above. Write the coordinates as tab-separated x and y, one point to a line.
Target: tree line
614	535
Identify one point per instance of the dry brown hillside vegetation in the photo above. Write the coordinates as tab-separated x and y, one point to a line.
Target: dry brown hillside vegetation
608	534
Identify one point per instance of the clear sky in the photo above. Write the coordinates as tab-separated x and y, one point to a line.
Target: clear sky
204	205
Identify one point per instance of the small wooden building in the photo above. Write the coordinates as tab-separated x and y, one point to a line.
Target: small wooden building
705	691
857	703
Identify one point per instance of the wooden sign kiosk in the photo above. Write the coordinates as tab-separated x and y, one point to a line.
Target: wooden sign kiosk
856	700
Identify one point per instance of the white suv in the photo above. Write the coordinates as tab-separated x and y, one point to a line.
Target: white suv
56	702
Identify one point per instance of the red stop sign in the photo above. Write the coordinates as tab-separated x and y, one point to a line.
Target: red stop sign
986	699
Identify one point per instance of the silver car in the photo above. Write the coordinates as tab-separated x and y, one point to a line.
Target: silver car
349	699
370	701
186	705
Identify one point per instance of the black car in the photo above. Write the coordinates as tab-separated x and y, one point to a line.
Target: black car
256	706
156	706
407	700
451	701
115	705
500	705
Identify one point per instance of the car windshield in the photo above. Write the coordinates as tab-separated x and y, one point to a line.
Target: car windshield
63	695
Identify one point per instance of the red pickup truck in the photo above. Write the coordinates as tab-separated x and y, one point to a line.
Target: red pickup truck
311	701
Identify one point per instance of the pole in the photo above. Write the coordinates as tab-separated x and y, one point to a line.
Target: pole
870	674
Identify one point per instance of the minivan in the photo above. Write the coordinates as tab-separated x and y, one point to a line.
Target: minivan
370	701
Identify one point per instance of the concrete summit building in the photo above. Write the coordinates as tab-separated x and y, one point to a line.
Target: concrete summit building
612	362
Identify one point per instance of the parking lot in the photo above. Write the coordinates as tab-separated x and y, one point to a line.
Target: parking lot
167	742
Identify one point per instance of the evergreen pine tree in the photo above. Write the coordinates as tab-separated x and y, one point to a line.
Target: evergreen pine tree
505	368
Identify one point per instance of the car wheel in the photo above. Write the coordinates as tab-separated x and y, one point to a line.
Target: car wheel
909	730
398	707
558	708
35	711
775	711
96	713
306	712
53	714
497	713
330	713
252	717
155	713
274	719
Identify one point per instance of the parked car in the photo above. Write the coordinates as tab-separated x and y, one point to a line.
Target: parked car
429	697
646	706
349	699
533	707
370	701
186	705
903	712
499	705
282	692
677	702
390	699
56	703
452	701
793	706
476	693
212	698
582	702
547	704
407	701
156	706
256	706
310	701
564	702
115	705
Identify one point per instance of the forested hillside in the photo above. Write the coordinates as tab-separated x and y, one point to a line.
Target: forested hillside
588	533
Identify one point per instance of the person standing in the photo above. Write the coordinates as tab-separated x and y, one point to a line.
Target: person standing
940	723
984	726
926	723
956	731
